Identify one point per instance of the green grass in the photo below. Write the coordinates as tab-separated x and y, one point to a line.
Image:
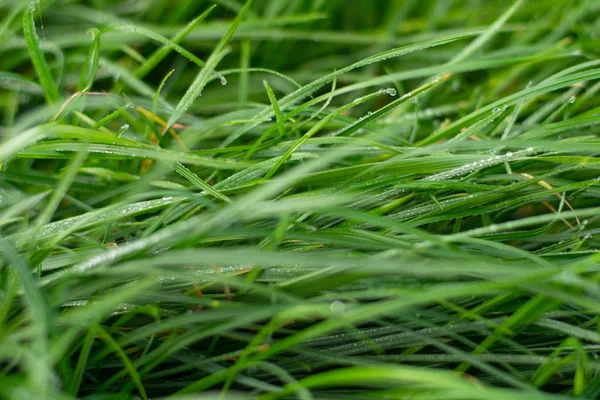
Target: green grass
299	199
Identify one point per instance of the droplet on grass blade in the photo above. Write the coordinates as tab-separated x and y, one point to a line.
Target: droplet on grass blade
337	308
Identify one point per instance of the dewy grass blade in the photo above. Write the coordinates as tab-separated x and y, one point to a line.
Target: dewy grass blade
217	55
37	55
196	181
276	110
316	128
90	68
513	99
307	90
169	44
489	33
133	373
60	191
164	51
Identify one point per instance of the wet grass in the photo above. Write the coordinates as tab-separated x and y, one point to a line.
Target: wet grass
299	199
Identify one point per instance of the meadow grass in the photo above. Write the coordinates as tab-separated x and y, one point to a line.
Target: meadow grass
303	199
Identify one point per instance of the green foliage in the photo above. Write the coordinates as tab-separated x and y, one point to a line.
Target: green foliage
341	199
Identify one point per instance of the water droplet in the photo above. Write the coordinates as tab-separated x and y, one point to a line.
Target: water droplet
337	308
588	236
415	100
122	130
223	80
572	99
94	32
167	198
496	110
41	19
369	113
390	91
530	149
509	154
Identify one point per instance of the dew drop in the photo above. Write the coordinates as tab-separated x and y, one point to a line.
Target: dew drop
93	32
496	110
572	99
223	80
41	19
122	130
509	154
337	308
530	149
167	198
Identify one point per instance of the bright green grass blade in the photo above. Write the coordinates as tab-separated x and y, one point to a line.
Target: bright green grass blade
164	51
489	33
133	373
59	193
276	110
84	354
90	69
37	56
199	83
196	181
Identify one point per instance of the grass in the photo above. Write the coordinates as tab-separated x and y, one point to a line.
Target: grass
299	199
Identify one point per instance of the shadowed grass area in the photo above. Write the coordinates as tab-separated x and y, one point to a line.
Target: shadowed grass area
303	199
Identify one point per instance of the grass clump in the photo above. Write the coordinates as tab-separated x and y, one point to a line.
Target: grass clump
299	199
